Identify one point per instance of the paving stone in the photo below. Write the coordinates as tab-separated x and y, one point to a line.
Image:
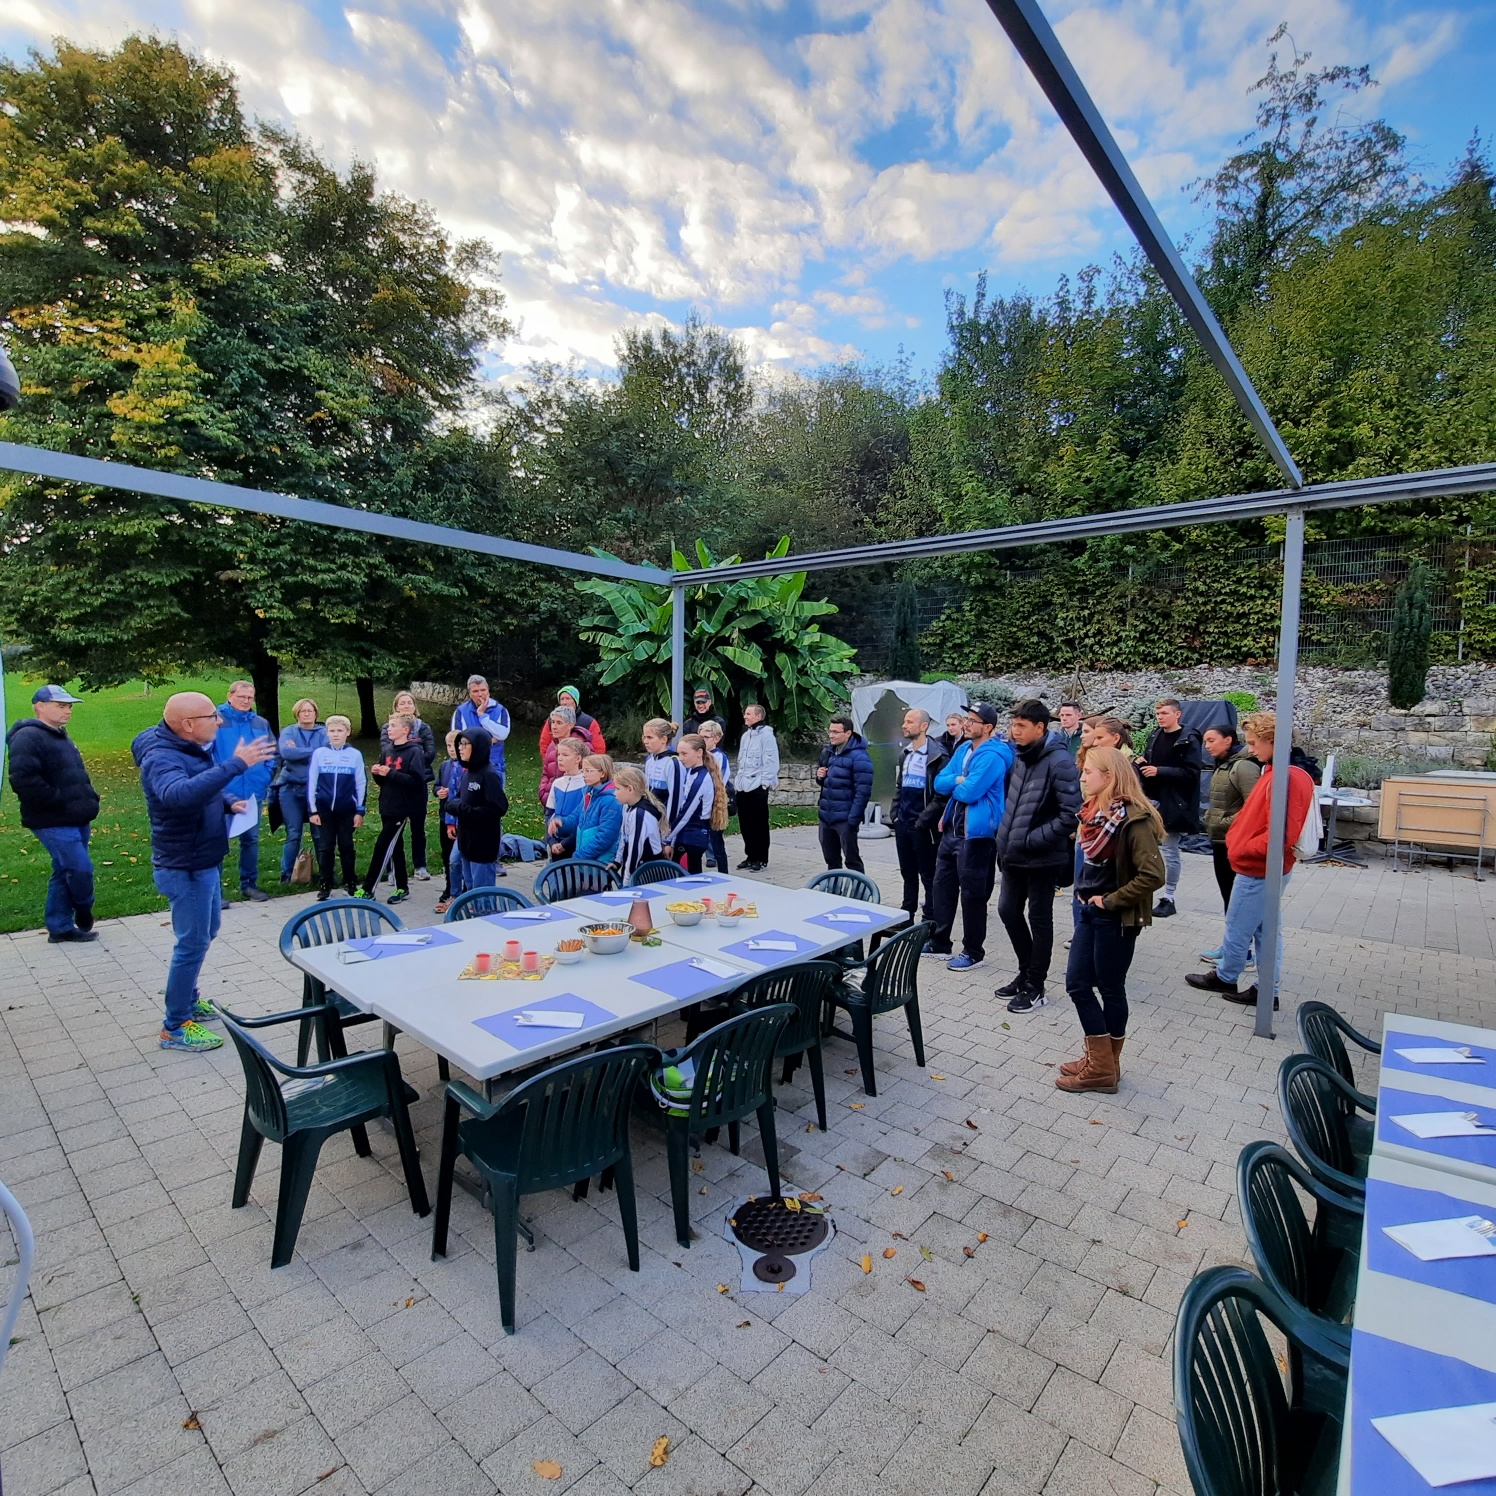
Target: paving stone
781	1455
282	1462
512	1466
721	1407
46	1461
1083	1472
1088	1412
583	1390
390	1442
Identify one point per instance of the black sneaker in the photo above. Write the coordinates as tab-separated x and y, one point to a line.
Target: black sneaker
747	867
1164	908
1027	1000
84	919
1012	989
72	937
255	895
323	893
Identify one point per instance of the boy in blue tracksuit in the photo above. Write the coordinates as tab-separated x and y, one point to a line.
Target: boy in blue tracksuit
336	793
238	722
966	864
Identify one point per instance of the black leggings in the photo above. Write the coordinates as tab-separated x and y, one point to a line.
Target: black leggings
418	835
691	856
1225	873
1100	955
335	834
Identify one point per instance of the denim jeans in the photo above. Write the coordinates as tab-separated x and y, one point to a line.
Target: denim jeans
196	902
249	858
1101	952
1244	927
295	811
466	875
72	884
1173	864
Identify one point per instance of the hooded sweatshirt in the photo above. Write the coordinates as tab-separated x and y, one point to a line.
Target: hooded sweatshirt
243	727
48	776
481	807
402	791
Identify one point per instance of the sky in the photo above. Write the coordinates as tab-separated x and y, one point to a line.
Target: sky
816	175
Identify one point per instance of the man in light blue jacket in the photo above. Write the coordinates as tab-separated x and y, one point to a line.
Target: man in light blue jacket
240	723
976	780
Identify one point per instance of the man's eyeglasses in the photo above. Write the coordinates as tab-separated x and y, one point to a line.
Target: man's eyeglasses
205	717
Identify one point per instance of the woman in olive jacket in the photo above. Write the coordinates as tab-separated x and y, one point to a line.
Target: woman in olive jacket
1231	781
1119	866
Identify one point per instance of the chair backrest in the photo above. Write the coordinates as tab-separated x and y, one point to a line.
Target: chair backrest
1314	1116
657	870
573	877
335	920
1273	1220
1322	1032
575	1115
262	1092
806	987
843	883
735	1066
892	977
480	901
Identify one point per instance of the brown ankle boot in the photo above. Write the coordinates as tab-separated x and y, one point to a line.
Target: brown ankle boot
1073	1067
1100	1073
1117	1056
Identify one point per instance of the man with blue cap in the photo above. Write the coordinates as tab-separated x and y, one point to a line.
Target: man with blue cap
58	806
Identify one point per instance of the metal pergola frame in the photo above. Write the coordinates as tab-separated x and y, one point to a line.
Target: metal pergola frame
1037	45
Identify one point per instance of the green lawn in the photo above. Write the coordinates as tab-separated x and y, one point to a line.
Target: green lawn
103	726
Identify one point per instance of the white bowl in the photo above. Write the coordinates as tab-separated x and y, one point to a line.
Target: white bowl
568	958
685	916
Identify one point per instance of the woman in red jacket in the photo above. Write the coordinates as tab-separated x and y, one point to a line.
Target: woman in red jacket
1246	846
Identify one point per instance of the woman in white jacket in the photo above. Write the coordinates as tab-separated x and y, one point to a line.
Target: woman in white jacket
757	774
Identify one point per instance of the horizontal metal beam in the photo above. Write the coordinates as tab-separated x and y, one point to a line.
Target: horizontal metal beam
1349	493
41	462
1035	41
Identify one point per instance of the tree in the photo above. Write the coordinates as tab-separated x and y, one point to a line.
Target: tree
904	659
1408	644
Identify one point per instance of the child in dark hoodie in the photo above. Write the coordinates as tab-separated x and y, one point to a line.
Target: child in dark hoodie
480	810
401	772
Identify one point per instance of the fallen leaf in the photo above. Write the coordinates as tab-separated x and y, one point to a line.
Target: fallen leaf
867	1263
1282	1363
898	1189
698	1165
915	1284
409	1303
968	1251
661	1451
810	1127
933	1076
328	1474
856	1106
1096	1122
1181	1224
972	1125
702	1190
745	1324
927	1254
898	1236
890	1252
779	1288
190	1421
547	1469
1008	1026
981	1236
842	1167
731	1221
810	1196
792	1205
949	1175
722	1288
852	1071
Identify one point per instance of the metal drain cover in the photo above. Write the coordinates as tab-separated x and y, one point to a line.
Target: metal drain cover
772	1228
773	1268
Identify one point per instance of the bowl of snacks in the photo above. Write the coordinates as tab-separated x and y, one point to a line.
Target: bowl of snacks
729	919
569	952
606	940
685	912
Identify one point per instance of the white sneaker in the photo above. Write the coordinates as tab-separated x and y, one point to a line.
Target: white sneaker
421	875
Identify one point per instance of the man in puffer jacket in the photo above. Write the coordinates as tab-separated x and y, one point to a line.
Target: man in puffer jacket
846	776
1035	849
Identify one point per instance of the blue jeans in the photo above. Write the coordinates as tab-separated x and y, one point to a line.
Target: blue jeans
296	812
1244	927
249	858
196	901
1101	951
466	875
72	885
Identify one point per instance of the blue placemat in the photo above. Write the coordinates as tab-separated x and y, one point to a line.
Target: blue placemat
1475	1150
521	1036
853	928
1473	1075
680	980
741	949
1391	1378
366	943
1398	1205
618	898
697	880
509	922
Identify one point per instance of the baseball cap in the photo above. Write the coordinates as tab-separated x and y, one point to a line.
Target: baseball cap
701	693
53	693
985	711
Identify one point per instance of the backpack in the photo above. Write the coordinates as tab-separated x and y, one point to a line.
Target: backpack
1311	832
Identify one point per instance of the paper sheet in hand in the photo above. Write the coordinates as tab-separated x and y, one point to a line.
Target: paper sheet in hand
716	968
1461	1056
1445	1445
1444	1125
1435	1241
247	819
533	1018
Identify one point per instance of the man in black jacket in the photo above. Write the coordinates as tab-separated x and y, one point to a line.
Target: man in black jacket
1170	769
1035	849
702	710
58	806
917	808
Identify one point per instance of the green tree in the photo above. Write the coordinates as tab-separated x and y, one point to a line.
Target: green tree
905	662
1408	645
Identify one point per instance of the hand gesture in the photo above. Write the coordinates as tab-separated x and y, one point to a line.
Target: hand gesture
238	807
380	770
1148	771
255	751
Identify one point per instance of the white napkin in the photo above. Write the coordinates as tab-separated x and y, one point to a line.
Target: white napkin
772	945
1445	1445
1459	1056
714	968
1433	1241
850	919
403	938
528	914
1445	1125
694	878
544	1018
352	958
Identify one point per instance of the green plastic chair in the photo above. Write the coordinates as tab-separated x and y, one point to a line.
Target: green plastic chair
734	1075
306	1107
890	980
843	883
1241	1432
1317	1107
1311	1267
571	878
477	902
1323	1032
656	870
329	923
558	1128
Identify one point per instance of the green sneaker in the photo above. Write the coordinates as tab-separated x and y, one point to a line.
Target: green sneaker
191	1036
363	893
204	1011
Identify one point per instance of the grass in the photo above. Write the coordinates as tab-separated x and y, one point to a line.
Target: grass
103	727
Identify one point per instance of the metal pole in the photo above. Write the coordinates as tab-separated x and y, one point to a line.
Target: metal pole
678	654
1288	665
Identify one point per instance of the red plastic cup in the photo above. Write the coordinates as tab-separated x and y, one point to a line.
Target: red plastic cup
530	961
483	960
511	950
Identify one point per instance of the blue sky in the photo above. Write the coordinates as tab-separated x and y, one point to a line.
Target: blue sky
813	173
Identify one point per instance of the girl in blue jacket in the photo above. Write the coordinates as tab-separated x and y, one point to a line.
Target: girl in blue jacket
599	824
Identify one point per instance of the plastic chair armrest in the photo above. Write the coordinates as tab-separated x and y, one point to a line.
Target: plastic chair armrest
1371	1046
296	1015
471	1101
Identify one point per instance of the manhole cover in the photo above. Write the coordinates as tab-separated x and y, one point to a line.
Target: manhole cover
772	1228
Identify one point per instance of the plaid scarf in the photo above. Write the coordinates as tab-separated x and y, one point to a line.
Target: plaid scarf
1099	826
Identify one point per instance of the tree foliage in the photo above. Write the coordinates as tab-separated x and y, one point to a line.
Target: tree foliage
1408	648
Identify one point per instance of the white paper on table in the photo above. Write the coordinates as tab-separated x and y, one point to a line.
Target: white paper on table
772	945
352	958
1445	1445
694	878
1433	1241
403	938
246	819
1444	1125
850	919
526	914
1460	1056
544	1018
715	968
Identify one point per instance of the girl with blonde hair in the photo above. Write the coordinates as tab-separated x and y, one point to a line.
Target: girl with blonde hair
1119	865
702	807
645	830
662	769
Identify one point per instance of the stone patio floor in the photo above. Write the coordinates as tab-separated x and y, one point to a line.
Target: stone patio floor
160	1354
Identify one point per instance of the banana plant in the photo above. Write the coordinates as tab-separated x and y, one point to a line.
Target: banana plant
754	639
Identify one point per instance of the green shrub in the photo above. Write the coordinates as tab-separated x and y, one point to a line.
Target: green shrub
1243	701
